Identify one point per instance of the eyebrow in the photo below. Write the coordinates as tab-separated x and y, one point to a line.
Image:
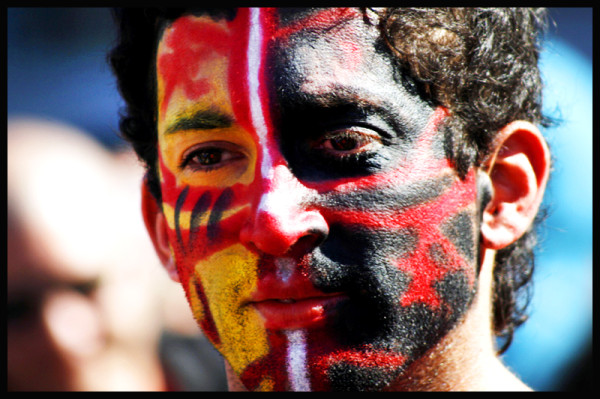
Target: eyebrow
204	119
338	103
399	116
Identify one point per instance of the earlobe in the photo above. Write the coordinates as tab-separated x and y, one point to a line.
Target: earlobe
156	225
518	168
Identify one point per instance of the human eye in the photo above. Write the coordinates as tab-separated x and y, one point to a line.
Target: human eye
209	156
351	142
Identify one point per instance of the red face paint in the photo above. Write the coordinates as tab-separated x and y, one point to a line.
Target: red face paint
318	233
178	64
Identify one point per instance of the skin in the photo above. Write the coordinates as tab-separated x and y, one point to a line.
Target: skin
74	284
323	239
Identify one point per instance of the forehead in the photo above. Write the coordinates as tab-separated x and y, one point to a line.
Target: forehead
339	34
305	55
276	23
290	38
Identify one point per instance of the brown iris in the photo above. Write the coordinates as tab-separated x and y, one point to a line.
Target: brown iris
208	156
343	143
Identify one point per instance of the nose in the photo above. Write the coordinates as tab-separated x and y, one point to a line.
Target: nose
282	221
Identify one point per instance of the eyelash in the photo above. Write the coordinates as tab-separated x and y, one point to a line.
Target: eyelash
213	149
364	142
364	138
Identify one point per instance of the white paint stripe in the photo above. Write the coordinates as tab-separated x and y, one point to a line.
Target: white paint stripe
256	111
296	360
285	268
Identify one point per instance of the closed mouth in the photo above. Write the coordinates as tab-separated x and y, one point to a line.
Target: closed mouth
296	313
287	299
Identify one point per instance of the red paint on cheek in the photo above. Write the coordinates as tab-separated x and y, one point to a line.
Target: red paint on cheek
424	218
189	252
169	188
460	195
426	271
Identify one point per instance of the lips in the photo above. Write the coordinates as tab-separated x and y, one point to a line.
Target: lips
290	301
289	314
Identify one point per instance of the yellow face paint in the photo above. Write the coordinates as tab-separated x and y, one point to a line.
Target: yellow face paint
228	277
197	122
185	216
175	148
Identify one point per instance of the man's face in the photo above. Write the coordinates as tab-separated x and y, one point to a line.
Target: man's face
322	237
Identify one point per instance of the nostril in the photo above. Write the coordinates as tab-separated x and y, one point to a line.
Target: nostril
284	235
318	236
307	243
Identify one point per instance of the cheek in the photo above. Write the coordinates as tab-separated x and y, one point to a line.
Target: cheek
444	249
426	228
418	222
216	291
216	271
409	257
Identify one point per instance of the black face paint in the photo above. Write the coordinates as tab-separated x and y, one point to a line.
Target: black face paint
221	204
178	205
200	209
360	153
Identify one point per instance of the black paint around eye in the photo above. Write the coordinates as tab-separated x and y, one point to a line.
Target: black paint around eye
344	143
316	165
346	128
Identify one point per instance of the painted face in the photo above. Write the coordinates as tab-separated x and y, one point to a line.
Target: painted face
322	237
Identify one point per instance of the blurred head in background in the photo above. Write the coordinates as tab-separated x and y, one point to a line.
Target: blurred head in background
83	295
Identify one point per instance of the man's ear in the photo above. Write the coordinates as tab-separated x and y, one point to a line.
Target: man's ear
518	169
156	224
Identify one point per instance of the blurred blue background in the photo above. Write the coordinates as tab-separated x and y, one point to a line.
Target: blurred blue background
57	70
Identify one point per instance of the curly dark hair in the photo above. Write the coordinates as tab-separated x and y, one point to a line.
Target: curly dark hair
482	65
479	63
